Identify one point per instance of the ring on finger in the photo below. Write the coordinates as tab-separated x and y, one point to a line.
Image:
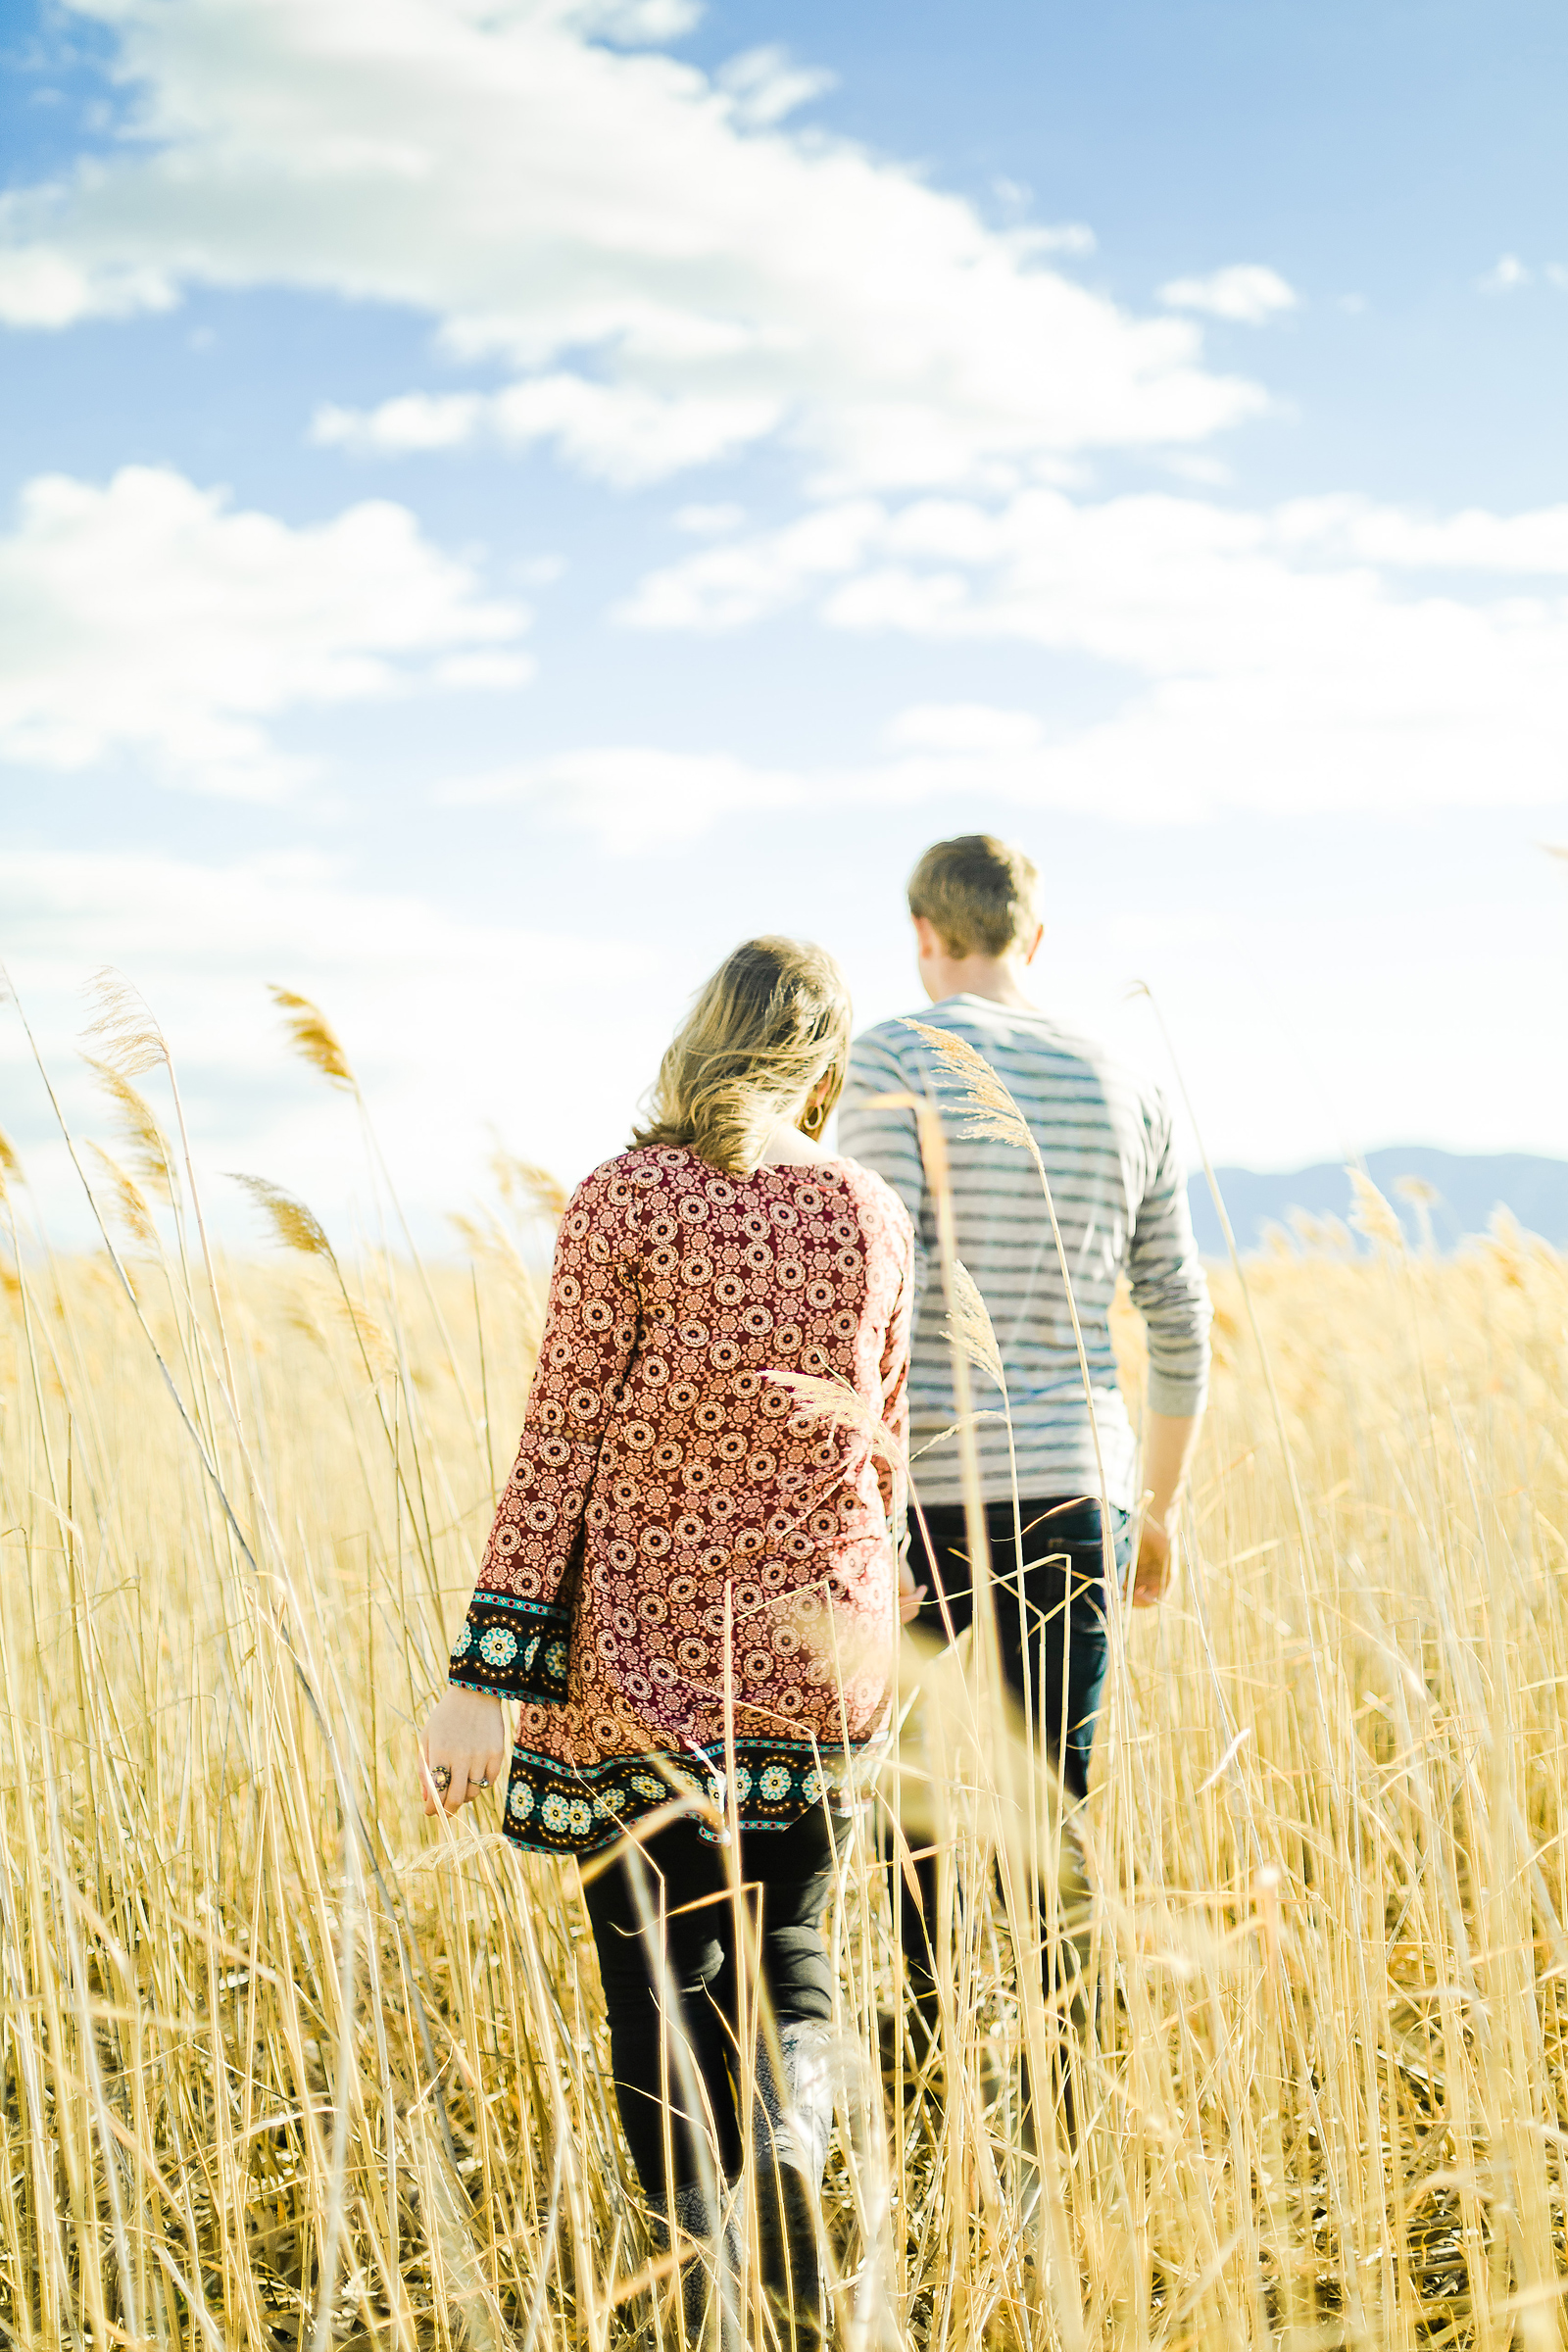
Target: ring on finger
441	1777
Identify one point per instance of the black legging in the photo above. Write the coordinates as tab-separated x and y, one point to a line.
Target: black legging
793	1869
1052	1650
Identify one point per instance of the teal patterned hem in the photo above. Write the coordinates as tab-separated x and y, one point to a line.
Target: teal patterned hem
514	1648
551	1809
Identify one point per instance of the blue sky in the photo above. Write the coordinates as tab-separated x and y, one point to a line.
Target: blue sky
502	501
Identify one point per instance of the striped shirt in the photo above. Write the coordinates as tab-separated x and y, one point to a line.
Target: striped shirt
1121	1203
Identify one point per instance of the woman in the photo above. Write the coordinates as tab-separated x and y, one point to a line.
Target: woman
691	1587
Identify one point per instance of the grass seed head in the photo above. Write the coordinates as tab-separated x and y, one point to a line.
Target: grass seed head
293	1225
532	1191
835	1403
969	1326
122	1028
314	1038
1507	1248
10	1165
128	1201
991	1110
146	1145
376	1348
1371	1214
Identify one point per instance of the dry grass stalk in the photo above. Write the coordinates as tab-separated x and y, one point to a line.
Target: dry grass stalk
1326	2096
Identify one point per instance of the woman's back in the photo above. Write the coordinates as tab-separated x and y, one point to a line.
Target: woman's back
678	1538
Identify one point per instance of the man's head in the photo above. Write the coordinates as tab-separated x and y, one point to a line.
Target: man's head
973	904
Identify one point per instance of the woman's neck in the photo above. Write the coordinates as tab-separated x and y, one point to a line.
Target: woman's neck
787	1146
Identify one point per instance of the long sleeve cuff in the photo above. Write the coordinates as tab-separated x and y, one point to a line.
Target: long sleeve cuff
514	1648
1178	1395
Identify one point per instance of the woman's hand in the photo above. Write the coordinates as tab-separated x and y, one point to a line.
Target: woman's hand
911	1595
463	1749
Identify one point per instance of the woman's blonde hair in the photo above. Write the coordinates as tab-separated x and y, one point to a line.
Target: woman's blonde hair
761	1036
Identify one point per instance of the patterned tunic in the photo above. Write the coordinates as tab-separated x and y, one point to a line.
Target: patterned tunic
677	1531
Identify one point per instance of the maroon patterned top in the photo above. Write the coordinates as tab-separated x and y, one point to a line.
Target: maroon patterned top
675	1524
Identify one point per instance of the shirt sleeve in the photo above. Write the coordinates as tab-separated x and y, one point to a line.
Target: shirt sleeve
1170	1288
885	1140
515	1639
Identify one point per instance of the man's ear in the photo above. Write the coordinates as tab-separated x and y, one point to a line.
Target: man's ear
1033	949
927	942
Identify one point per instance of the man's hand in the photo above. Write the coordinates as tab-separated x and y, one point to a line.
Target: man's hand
1151	1575
463	1749
1168	1442
911	1595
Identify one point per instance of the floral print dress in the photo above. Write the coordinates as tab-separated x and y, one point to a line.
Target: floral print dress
683	1547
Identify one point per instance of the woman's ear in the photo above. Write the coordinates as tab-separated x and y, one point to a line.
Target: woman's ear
813	1117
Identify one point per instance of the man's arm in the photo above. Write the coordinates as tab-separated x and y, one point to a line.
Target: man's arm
884	1139
1171	1293
1169	1442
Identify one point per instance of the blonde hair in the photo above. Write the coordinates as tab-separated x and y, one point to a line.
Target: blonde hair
978	891
761	1036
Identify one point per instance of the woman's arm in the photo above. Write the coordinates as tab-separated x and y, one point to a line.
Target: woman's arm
514	1641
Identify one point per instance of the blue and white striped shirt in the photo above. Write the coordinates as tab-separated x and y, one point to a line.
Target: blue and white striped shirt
1121	1203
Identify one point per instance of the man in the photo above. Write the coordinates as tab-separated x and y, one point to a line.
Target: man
1121	1204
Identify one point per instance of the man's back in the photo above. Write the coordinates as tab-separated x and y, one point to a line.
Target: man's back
1120	1200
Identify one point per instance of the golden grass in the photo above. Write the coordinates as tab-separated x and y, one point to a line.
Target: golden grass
283	2064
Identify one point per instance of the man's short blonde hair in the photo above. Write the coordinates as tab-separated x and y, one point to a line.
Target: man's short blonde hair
978	893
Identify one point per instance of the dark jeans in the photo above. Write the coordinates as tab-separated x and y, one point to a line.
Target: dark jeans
1051	1630
789	1874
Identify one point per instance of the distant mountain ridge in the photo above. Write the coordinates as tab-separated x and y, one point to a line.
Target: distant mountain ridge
1469	1186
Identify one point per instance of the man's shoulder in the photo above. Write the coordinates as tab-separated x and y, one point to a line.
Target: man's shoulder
894	1039
1018	1034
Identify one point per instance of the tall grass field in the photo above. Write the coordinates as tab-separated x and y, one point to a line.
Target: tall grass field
284	2063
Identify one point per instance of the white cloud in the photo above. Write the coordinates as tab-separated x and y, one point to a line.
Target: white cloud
635	795
430	1007
765	86
1507	275
540	194
43	286
1353	528
732	586
148	616
1066	237
708	522
615	433
964	727
1278	661
1247	294
1198	466
635	20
